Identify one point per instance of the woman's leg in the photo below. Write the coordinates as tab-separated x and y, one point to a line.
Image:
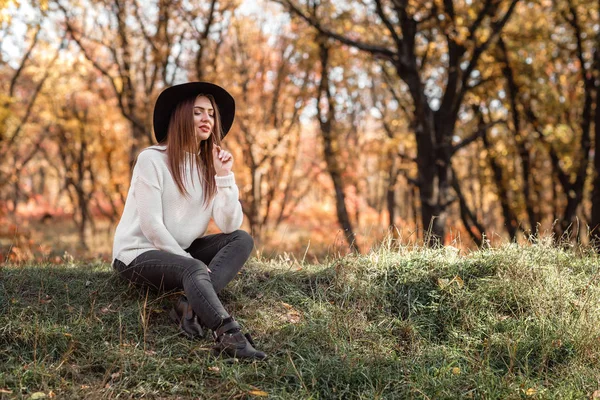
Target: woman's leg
224	253
166	271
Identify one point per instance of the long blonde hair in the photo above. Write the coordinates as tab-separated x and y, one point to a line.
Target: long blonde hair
181	141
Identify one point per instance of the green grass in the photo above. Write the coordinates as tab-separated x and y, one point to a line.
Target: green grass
508	323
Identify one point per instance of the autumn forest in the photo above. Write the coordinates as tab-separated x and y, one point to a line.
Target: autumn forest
457	122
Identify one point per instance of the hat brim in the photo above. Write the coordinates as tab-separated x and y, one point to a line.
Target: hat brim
169	98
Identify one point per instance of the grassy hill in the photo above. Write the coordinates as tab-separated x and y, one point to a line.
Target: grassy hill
507	323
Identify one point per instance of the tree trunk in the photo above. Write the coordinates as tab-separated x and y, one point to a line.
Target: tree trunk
391	191
595	221
434	180
330	145
509	219
433	132
255	203
83	214
141	138
391	205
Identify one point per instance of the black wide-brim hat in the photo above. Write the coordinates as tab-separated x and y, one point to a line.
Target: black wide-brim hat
171	96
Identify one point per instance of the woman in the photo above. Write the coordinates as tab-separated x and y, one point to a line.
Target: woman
176	187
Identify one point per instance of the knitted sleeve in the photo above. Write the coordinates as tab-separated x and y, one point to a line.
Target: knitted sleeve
148	199
227	210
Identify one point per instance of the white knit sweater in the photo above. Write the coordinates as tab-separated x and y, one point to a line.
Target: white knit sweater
158	217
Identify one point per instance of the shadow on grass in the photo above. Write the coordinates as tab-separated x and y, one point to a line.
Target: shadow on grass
74	327
83	332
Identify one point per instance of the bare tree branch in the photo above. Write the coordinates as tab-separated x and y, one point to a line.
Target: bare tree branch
379	51
13	81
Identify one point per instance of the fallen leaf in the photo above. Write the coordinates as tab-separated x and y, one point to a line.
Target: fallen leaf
459	281
530	392
293	317
443	282
51	394
456	371
85	386
259	393
5	391
214	369
115	375
596	394
107	309
38	395
286	305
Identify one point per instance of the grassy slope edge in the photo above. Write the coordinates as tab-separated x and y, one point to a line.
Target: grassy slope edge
512	322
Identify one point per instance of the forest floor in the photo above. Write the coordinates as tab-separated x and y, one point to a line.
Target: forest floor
517	321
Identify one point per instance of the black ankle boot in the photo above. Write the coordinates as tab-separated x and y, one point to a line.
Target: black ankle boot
187	320
233	343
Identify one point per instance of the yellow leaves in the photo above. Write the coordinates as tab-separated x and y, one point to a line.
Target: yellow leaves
596	395
472	13
292	315
462	32
38	395
258	393
563	80
531	392
4	15
456	371
8	3
445	283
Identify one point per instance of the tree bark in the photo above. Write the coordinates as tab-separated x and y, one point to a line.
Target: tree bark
510	221
595	197
330	146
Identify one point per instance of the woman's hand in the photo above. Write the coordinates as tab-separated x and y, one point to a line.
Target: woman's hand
222	160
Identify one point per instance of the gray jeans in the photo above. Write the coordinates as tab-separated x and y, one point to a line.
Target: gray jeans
224	254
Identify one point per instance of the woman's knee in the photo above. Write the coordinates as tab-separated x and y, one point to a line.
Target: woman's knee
194	266
246	241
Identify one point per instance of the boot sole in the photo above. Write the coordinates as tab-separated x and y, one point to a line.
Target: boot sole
226	358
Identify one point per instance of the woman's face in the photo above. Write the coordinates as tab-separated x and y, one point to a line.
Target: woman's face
204	118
